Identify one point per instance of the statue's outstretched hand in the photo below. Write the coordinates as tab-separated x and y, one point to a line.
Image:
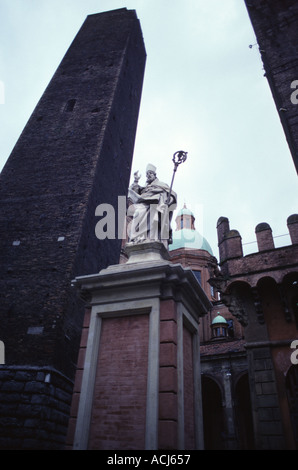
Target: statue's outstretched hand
136	177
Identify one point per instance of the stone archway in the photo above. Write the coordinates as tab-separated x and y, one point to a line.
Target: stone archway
243	414
212	414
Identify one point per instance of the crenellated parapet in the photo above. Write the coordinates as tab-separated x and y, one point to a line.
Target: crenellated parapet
268	263
232	261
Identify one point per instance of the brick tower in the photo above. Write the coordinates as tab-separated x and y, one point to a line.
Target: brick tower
74	153
275	23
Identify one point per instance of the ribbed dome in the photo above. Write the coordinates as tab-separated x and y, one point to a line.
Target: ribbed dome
219	319
187	238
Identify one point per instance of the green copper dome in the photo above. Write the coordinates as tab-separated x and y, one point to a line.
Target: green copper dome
218	319
185	211
188	238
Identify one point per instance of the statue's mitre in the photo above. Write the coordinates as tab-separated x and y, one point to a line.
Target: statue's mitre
151	167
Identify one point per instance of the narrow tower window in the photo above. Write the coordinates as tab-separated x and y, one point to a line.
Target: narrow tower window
198	275
70	105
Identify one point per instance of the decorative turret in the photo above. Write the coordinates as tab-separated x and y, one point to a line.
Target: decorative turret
219	327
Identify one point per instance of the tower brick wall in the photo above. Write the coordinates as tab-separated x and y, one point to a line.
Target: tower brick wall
74	154
275	23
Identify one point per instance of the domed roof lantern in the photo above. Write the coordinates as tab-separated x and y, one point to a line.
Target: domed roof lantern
185	219
219	326
185	235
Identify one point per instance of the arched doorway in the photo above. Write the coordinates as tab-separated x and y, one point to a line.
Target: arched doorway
243	414
212	414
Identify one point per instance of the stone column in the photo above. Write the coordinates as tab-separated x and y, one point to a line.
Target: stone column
229	410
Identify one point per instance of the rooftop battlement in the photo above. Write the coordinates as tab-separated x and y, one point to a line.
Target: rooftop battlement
230	241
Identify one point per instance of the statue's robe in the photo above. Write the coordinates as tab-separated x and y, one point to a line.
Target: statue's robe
151	214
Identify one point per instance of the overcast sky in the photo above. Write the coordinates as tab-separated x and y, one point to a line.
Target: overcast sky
204	92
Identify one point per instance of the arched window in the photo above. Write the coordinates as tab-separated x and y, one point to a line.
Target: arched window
230	323
70	105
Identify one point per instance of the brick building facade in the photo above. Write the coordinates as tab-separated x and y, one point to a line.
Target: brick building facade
261	291
225	390
248	382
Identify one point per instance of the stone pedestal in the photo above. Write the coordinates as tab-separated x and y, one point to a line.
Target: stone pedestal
138	380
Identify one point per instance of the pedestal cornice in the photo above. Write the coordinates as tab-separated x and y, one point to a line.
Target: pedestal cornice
144	279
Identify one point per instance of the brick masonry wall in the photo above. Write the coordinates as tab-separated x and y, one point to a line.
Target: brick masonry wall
168	378
281	331
78	382
189	425
261	262
269	434
120	392
120	397
34	408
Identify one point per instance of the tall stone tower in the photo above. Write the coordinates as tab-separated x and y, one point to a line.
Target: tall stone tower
275	23
74	153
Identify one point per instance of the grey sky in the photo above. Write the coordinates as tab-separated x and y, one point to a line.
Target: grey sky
204	92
